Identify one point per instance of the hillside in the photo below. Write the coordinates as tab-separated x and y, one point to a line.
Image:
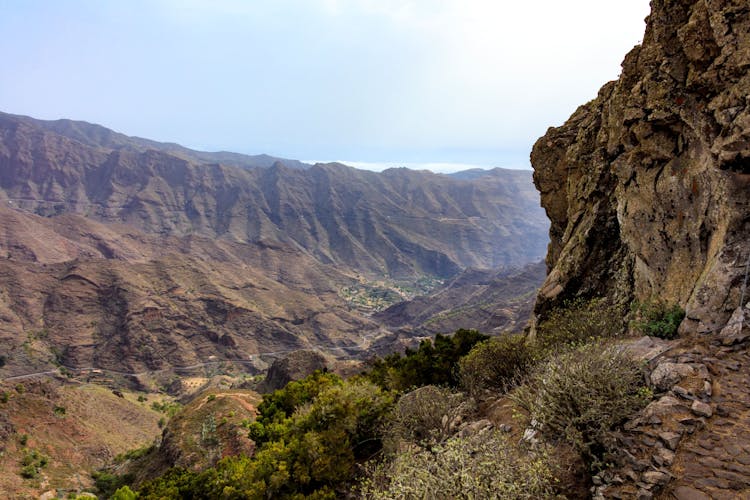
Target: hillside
399	223
80	294
493	302
170	258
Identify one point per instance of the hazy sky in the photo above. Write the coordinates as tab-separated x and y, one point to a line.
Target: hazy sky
378	81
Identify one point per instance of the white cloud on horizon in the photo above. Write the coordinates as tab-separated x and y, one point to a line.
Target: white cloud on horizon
435	167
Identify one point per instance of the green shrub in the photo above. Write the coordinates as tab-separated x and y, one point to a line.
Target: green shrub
59	411
124	493
578	322
23	439
4	396
135	454
169	408
107	483
582	395
31	463
279	405
313	432
658	319
496	364
431	364
486	465
29	471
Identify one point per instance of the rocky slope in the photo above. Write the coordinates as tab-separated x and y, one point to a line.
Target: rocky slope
82	294
492	302
400	222
648	185
133	256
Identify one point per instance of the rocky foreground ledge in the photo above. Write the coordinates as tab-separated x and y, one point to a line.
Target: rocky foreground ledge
693	441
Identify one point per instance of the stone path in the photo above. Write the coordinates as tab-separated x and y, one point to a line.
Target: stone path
715	462
693	441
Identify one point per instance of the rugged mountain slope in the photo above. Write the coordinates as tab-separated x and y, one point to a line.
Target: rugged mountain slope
400	222
648	185
76	292
77	428
492	302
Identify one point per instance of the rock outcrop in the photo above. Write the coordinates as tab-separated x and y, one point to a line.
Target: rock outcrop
294	366
648	185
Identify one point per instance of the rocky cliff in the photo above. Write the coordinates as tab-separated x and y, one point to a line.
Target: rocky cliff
648	185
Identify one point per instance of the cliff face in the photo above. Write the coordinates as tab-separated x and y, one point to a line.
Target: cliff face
648	185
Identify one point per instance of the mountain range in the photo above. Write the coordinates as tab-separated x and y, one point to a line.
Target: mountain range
170	257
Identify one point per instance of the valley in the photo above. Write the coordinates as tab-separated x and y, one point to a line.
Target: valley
149	270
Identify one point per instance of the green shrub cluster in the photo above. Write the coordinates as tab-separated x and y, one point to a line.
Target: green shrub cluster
32	463
486	465
167	407
497	364
310	435
107	483
581	395
430	364
657	318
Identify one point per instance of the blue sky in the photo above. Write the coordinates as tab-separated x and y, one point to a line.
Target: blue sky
380	82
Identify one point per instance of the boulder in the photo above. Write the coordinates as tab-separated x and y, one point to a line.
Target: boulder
295	366
666	375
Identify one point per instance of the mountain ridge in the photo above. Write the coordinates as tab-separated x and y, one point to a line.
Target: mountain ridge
339	214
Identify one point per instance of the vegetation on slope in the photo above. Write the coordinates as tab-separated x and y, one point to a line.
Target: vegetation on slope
404	429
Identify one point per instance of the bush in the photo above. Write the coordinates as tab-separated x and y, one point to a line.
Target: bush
29	471
657	319
107	483
310	436
582	395
424	416
487	465
431	364
580	321
498	363
31	463
124	493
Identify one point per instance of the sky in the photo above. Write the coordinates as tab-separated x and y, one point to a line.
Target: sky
446	84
